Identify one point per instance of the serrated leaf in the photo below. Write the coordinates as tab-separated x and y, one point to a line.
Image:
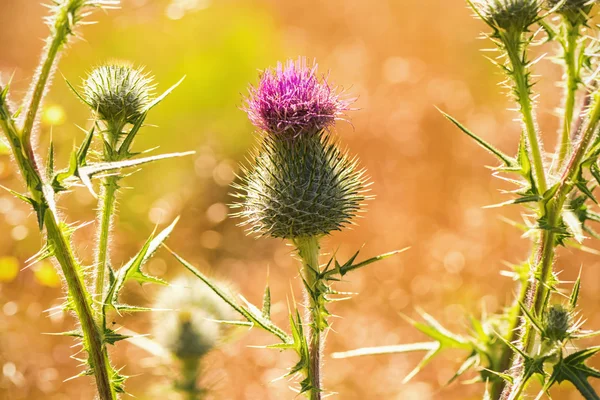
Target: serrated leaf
132	270
350	266
574	370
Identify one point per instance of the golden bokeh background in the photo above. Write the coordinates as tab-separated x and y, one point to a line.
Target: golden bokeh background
401	58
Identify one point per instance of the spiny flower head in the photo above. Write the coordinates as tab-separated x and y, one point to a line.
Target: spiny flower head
188	329
512	16
557	323
292	98
118	92
575	11
300	186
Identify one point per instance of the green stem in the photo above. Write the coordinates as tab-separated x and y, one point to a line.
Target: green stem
43	196
538	291
188	385
520	75
107	207
64	19
513	335
308	249
92	338
571	33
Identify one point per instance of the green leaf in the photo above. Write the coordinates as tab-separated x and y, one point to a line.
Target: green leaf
350	266
532	319
508	161
574	370
88	171
132	270
162	96
253	315
126	144
575	292
469	363
394	349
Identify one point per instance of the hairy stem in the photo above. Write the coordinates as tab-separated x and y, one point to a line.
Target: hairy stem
63	21
308	249
571	33
522	87
538	290
92	337
513	335
106	214
43	197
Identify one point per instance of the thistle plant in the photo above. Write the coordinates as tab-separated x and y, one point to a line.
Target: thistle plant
298	186
120	98
535	337
191	330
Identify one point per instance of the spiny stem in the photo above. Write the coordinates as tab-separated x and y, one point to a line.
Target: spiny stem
308	249
92	337
513	335
60	246
61	29
520	75
107	207
538	291
569	42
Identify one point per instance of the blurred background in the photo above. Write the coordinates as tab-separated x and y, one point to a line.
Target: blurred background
400	58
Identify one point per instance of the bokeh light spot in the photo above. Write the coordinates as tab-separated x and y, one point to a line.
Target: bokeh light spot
217	213
46	275
54	115
9	269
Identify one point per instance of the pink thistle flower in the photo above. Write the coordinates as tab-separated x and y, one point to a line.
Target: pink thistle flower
292	98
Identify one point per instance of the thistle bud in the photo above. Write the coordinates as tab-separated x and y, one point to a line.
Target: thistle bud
513	16
575	11
300	184
557	323
118	93
188	330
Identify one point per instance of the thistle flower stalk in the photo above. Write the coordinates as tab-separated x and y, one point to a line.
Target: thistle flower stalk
308	249
520	74
570	45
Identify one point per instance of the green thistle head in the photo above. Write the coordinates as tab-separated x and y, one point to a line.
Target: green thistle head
118	93
512	16
300	186
575	11
188	329
557	323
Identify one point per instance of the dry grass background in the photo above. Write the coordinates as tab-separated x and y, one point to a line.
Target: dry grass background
401	58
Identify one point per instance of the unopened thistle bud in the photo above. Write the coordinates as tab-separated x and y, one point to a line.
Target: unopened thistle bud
188	330
575	11
300	183
118	93
512	16
557	323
